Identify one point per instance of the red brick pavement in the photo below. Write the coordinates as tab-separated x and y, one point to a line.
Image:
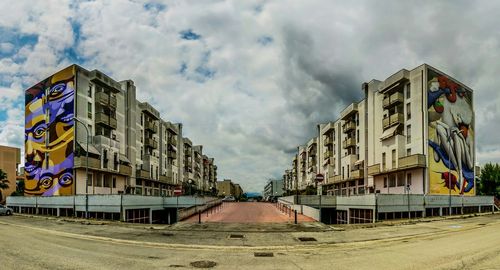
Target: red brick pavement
248	212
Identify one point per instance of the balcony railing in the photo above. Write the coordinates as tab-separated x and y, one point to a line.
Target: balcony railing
374	169
335	179
349	142
152	126
104	119
393	119
126	170
393	99
328	154
172	140
413	161
149	142
142	174
171	154
348	126
81	162
102	98
356	174
328	140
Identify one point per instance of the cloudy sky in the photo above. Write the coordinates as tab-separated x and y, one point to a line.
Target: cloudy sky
250	79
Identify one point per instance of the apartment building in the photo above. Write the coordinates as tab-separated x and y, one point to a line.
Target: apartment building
412	133
77	113
9	161
273	188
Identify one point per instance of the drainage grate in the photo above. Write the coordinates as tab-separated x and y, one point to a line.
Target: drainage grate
236	236
263	254
203	264
307	239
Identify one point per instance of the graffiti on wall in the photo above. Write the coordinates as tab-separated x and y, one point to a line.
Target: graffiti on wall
49	135
451	136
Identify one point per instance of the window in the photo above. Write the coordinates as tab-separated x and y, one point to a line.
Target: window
89	179
89	110
385	181
107	181
408	152
114	181
99	181
393	158
408	179
392	180
407	90
383	161
357	135
89	91
408	134
408	111
401	180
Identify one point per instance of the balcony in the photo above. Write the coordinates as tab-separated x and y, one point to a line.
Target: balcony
393	119
104	119
149	142
166	178
81	162
349	142
188	153
357	174
395	80
335	179
172	155
393	99
126	170
102	98
348	126
172	140
142	174
353	108
328	141
103	140
413	161
374	169
152	126
147	108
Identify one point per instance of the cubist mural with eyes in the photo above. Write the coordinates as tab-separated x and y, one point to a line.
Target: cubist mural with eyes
49	135
451	136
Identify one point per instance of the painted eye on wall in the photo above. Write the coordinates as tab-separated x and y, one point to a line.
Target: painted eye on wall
39	132
57	91
66	179
46	182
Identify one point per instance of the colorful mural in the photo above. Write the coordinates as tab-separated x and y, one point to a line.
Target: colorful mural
49	135
451	136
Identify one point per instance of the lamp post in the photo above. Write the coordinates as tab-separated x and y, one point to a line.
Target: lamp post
86	168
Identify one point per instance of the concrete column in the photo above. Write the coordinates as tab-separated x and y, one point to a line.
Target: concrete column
150	216
440	211
58	212
348	215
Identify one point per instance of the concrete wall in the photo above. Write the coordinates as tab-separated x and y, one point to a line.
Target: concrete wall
399	203
310	212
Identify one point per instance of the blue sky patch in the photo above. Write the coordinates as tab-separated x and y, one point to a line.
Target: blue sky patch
157	7
265	40
189	35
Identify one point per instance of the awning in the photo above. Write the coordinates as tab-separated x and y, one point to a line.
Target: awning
389	132
92	149
358	162
124	159
173	148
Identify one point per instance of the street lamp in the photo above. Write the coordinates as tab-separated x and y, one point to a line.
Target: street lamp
86	168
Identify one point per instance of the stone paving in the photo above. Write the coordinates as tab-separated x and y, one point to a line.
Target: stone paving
248	212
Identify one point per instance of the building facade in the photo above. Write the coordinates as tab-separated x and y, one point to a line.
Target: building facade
10	158
412	133
273	188
130	148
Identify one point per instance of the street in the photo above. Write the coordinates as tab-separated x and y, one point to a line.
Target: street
249	212
40	243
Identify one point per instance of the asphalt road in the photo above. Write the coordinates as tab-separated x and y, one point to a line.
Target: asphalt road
249	212
36	243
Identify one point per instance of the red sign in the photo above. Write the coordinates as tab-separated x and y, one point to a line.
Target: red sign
178	191
319	177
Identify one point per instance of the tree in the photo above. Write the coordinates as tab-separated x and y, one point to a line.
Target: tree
19	189
4	183
489	183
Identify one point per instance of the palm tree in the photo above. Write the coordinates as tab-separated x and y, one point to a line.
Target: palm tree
4	183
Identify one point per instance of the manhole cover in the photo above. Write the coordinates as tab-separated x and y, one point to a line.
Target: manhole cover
236	236
263	254
203	264
307	239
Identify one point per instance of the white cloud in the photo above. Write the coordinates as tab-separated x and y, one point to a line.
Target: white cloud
259	102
